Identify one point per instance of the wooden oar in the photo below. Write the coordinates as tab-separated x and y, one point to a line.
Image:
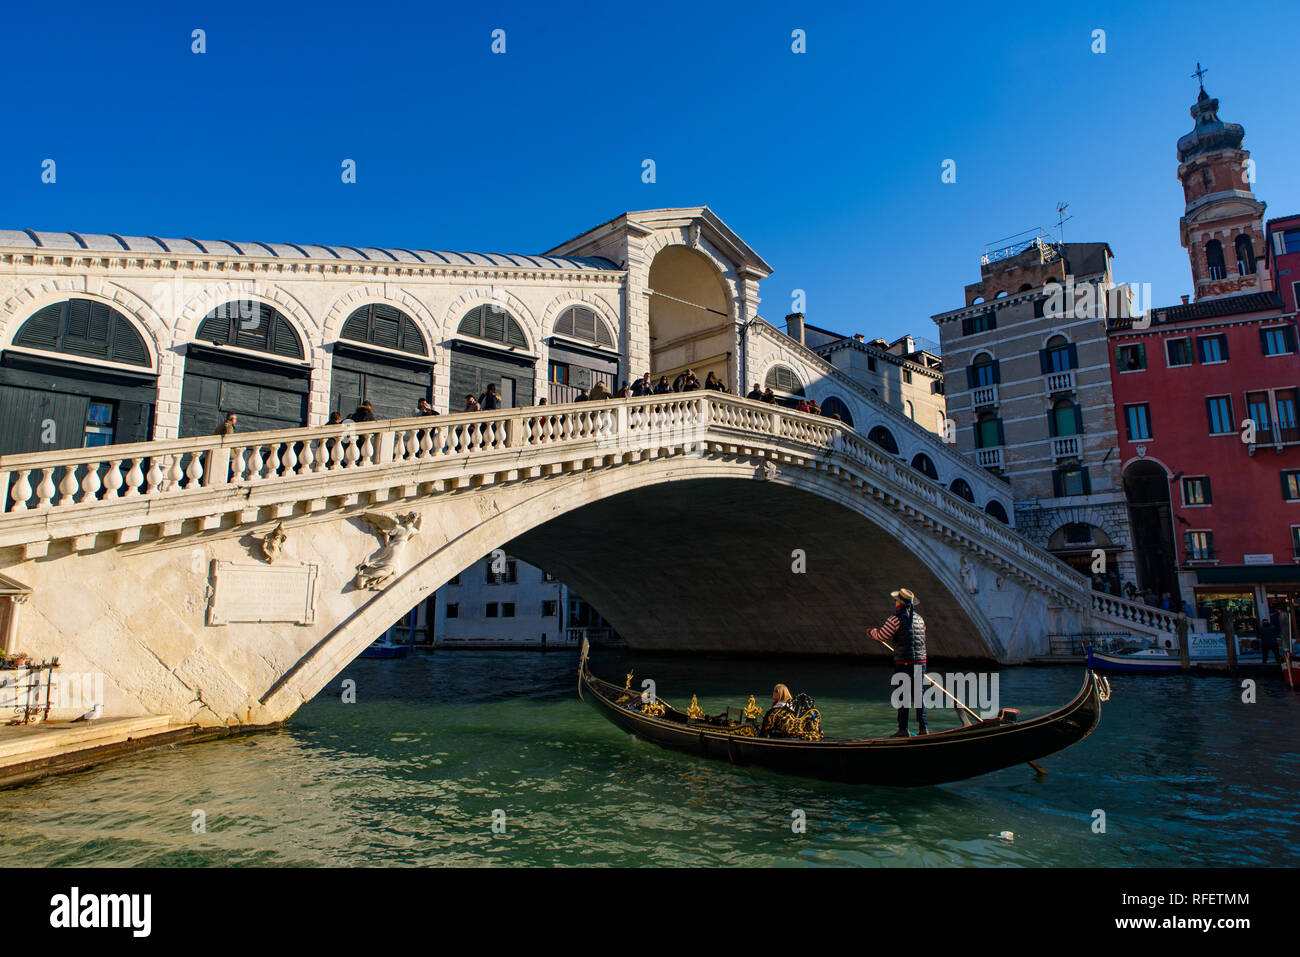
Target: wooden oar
961	704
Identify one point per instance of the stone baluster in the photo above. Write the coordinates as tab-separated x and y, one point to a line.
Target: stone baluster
336	453
113	478
69	487
134	479
45	490
366	454
431	441
22	491
307	459
273	461
194	471
351	454
289	460
255	465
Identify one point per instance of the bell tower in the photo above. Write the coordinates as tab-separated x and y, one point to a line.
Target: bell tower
1222	227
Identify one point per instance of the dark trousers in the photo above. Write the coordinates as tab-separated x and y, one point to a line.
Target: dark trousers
908	668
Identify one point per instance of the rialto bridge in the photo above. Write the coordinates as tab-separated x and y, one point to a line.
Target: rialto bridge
224	580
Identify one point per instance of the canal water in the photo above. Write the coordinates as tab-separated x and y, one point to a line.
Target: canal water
414	772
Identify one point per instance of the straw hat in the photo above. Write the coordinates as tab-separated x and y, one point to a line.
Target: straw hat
903	594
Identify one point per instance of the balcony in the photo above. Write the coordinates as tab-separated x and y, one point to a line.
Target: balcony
989	458
1060	381
985	395
1067	447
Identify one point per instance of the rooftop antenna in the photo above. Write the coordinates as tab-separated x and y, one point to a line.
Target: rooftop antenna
1061	220
1200	75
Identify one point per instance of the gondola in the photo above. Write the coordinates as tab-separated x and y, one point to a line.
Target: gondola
954	755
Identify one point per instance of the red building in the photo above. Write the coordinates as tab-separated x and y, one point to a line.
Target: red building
1283	257
1206	397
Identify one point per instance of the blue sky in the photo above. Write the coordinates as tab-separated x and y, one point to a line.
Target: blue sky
827	163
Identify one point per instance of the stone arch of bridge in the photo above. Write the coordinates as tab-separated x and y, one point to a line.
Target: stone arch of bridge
718	547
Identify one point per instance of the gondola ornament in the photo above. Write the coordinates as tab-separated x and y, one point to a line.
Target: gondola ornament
752	710
694	711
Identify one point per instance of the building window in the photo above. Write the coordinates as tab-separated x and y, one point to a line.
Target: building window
907	376
99	425
1257	410
454	580
1196	491
1291	241
560	373
507	576
871	363
995	509
883	438
1295	541
1059	356
1214	259
988	432
925	465
1213	348
1277	341
549	609
961	488
983	372
1199	546
983	322
1291	485
1219	409
453	610
1137	421
507	609
548	577
1285	400
490	610
1071	481
782	379
1245	256
1179	352
1066	419
1078	533
1132	358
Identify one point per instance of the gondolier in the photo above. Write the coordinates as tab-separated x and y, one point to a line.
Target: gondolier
905	630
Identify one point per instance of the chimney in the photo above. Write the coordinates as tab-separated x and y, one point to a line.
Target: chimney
859	337
1185	298
794	326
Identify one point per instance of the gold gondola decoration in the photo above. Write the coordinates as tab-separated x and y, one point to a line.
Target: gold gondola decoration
752	710
627	685
694	711
654	707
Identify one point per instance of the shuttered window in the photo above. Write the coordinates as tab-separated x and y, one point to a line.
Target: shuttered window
251	325
782	379
579	322
494	324
82	327
382	325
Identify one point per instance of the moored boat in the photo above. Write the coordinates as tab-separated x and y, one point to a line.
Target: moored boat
954	755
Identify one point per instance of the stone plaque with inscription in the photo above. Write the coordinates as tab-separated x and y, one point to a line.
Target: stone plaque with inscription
248	592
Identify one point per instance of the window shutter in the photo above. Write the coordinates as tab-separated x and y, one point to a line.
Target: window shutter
993	318
1002	439
1051	422
1087	482
1074	355
1044	361
1205	485
1223	343
965	326
1288	334
970	377
1057	484
997	372
1078	419
1263	341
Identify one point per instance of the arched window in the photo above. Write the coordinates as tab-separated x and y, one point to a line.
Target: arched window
833	407
883	438
1066	419
983	371
82	327
1027	287
961	488
253	325
1058	356
782	379
493	324
382	325
995	509
581	323
909	409
923	464
1245	256
1214	259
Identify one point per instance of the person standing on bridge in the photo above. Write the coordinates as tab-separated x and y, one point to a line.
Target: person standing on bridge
906	630
227	427
490	400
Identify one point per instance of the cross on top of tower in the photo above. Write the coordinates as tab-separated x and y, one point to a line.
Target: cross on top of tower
1200	76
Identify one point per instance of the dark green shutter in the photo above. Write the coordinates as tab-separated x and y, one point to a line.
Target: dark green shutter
1078	419
970	377
965	325
1074	355
997	372
1044	361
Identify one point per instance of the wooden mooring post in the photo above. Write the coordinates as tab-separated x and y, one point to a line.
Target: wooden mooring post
1184	652
1230	639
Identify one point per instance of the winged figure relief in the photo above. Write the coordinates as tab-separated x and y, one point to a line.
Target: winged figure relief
394	532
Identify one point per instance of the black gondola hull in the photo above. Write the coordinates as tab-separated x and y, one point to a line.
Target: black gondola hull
896	762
